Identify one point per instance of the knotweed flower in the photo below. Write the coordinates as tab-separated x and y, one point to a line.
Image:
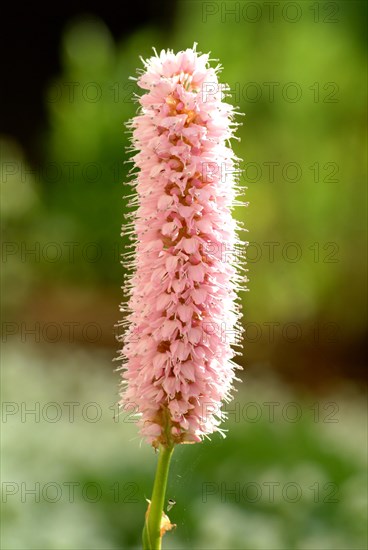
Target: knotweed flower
183	317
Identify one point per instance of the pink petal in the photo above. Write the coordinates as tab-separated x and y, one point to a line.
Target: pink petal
185	312
196	273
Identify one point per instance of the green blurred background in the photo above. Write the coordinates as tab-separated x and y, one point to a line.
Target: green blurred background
292	471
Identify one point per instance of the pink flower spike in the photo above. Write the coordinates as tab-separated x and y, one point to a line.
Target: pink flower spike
182	312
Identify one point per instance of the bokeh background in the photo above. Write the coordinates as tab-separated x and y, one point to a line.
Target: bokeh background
291	473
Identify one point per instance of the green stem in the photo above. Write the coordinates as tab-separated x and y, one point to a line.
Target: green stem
151	531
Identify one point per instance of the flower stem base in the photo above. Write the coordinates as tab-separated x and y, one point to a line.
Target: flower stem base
156	522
